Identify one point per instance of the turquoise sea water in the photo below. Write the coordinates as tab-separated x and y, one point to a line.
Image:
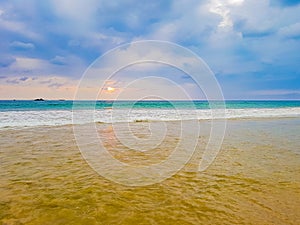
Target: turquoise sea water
38	113
30	105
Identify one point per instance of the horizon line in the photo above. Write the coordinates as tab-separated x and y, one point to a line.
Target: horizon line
45	99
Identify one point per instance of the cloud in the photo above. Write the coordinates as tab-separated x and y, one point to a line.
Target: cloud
290	31
248	40
11	23
46	81
69	66
222	8
13	81
54	82
24	78
18	45
6	61
76	16
59	60
29	64
55	88
17	80
56	85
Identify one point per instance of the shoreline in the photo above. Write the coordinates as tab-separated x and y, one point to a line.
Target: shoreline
154	121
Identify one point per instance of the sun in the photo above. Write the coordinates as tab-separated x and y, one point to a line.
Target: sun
110	89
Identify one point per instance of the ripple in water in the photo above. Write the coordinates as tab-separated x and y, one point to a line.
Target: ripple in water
254	180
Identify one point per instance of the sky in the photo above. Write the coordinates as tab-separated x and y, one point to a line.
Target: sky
252	46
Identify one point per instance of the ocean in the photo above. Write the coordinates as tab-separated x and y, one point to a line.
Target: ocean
26	113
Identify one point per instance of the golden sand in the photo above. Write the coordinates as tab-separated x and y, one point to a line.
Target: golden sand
254	180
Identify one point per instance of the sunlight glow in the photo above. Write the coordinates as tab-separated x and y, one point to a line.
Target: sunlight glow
110	89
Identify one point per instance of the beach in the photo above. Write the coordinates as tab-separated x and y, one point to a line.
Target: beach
255	178
150	112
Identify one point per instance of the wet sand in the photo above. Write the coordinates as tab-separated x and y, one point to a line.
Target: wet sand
254	180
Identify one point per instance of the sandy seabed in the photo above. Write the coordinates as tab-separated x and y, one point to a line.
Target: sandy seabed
254	180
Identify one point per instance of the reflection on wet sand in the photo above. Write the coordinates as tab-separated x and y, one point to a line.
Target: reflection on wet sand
254	180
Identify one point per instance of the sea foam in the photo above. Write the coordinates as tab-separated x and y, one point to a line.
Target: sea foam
9	119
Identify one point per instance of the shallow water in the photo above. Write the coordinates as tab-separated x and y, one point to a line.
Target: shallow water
254	180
